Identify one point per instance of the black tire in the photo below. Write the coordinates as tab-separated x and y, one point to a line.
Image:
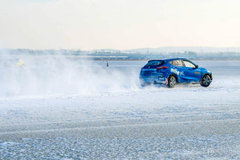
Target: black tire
172	81
206	80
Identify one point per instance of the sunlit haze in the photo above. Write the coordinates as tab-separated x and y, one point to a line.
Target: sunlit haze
118	24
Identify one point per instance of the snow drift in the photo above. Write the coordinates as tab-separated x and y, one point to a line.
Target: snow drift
34	75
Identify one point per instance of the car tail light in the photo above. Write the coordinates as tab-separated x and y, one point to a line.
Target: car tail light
162	67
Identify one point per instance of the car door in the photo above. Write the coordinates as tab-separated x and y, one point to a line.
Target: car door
178	69
191	72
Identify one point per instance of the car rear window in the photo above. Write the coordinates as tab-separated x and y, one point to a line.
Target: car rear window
154	63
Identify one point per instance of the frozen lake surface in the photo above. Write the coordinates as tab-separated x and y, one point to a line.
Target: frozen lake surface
65	109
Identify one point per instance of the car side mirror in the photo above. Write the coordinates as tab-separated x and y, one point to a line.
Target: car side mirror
196	66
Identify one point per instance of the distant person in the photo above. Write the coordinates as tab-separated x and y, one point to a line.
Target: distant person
107	64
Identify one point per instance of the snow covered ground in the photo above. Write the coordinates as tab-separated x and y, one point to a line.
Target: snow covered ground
55	108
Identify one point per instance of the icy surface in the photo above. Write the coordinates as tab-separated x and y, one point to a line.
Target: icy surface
104	114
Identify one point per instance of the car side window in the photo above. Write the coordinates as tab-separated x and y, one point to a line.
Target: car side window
189	64
177	63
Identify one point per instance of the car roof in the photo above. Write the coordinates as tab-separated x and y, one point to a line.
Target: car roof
171	59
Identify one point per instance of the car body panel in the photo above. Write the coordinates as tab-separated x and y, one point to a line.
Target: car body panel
183	69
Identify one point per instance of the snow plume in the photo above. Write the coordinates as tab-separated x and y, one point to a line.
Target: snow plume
39	75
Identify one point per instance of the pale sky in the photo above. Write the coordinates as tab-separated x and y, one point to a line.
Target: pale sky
118	24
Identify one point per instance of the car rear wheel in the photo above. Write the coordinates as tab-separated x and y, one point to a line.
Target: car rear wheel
206	81
172	81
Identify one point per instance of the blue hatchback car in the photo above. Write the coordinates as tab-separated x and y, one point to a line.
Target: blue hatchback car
173	71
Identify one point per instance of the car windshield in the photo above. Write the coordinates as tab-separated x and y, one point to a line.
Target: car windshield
189	64
154	63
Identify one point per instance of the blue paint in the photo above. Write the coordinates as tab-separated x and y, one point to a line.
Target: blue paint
158	71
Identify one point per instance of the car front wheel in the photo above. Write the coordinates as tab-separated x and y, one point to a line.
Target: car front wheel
206	81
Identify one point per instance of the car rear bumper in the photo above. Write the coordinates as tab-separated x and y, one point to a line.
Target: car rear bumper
153	79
